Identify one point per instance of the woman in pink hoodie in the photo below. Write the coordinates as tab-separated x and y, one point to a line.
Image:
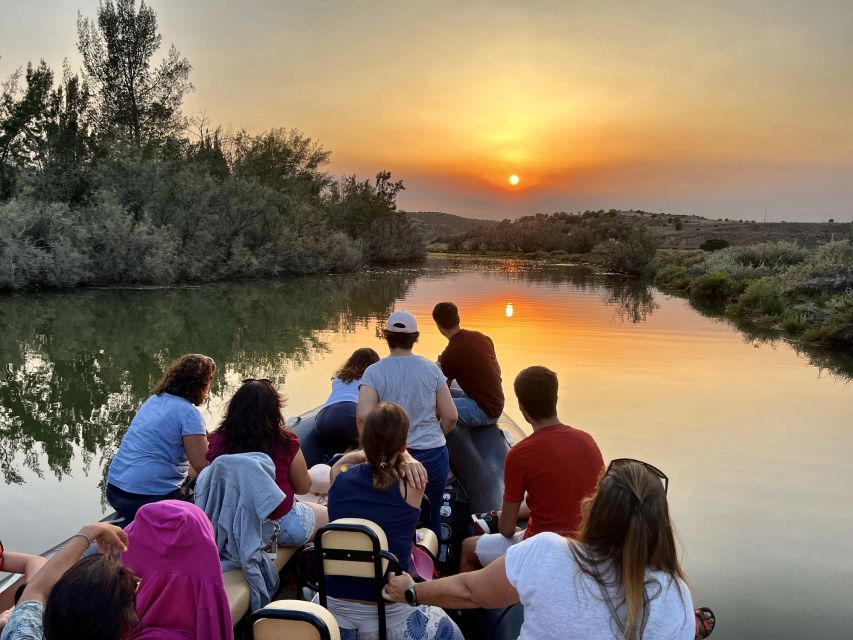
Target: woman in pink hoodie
172	550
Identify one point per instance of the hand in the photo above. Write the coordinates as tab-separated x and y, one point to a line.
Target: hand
413	472
395	590
4	617
111	540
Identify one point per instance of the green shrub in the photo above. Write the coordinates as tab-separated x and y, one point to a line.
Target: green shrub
673	277
714	287
634	254
759	300
714	244
837	329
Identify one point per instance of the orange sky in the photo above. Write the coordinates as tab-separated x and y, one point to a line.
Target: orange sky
692	107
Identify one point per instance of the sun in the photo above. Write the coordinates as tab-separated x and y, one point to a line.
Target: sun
514	180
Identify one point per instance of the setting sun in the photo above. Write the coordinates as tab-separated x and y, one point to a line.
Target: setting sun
513	180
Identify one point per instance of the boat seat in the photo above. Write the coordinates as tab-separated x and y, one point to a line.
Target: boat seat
294	620
237	588
428	541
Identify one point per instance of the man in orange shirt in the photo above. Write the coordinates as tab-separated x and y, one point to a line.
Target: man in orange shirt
551	471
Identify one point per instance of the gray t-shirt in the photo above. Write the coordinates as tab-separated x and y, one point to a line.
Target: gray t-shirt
25	623
562	602
412	382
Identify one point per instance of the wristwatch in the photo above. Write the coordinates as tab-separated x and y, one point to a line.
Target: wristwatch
411	596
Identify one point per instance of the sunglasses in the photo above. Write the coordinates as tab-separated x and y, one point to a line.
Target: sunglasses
618	462
265	380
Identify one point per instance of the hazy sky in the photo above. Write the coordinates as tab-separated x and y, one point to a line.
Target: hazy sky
696	106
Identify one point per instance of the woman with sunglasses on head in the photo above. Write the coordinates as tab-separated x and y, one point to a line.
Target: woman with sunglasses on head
253	422
166	437
619	579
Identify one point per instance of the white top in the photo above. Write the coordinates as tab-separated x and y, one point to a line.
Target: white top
342	392
412	382
560	601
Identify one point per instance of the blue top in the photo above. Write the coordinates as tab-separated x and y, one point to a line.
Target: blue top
151	459
352	496
342	392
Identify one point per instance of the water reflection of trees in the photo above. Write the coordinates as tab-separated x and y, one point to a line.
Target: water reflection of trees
77	365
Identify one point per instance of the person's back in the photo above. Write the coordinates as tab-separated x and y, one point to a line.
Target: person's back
561	601
353	496
557	466
410	381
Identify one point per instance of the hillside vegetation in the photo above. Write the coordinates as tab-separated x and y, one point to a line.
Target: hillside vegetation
103	180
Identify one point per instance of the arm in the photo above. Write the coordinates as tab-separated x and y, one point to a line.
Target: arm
300	479
24	563
445	408
108	537
353	457
508	518
413	472
368	400
196	450
487	588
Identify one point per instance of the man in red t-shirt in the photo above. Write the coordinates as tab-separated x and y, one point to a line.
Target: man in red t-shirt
550	472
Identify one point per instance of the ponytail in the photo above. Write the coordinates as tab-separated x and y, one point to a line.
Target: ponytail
385	432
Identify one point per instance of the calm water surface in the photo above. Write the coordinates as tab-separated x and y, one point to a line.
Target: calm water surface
755	438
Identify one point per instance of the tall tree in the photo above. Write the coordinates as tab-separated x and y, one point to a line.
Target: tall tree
137	103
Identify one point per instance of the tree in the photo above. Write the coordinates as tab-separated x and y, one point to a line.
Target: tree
137	104
281	159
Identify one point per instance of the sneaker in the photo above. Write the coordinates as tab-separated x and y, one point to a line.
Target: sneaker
485	522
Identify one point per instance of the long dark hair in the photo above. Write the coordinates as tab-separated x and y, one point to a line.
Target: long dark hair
188	377
626	529
253	420
355	365
94	600
386	430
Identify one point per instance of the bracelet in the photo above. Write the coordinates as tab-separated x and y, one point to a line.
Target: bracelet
83	535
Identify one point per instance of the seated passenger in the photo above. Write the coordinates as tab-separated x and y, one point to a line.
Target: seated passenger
23	563
470	359
165	437
335	423
621	576
556	467
74	599
368	484
181	594
253	422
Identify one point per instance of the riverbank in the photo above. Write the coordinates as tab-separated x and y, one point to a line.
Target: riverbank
772	289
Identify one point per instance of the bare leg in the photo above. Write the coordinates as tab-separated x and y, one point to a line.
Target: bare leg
321	516
468	560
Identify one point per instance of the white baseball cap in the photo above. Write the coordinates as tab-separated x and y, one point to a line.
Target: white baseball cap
401	322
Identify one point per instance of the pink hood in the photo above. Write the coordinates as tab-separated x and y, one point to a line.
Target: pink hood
172	550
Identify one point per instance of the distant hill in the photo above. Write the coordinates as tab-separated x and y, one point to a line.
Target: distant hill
434	224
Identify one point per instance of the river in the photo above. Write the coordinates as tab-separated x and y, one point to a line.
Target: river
755	436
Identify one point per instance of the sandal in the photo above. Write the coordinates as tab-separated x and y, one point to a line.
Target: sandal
705	621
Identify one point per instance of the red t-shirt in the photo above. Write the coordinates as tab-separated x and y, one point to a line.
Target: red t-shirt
557	466
282	456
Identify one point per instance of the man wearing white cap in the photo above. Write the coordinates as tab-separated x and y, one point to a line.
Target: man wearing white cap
419	386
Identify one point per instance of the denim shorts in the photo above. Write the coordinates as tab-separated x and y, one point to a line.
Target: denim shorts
296	526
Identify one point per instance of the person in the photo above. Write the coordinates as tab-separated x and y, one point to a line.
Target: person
23	563
74	599
368	484
181	592
555	468
419	386
620	578
336	423
253	422
470	359
166	436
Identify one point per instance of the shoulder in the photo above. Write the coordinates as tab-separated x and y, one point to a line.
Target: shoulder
25	622
545	549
